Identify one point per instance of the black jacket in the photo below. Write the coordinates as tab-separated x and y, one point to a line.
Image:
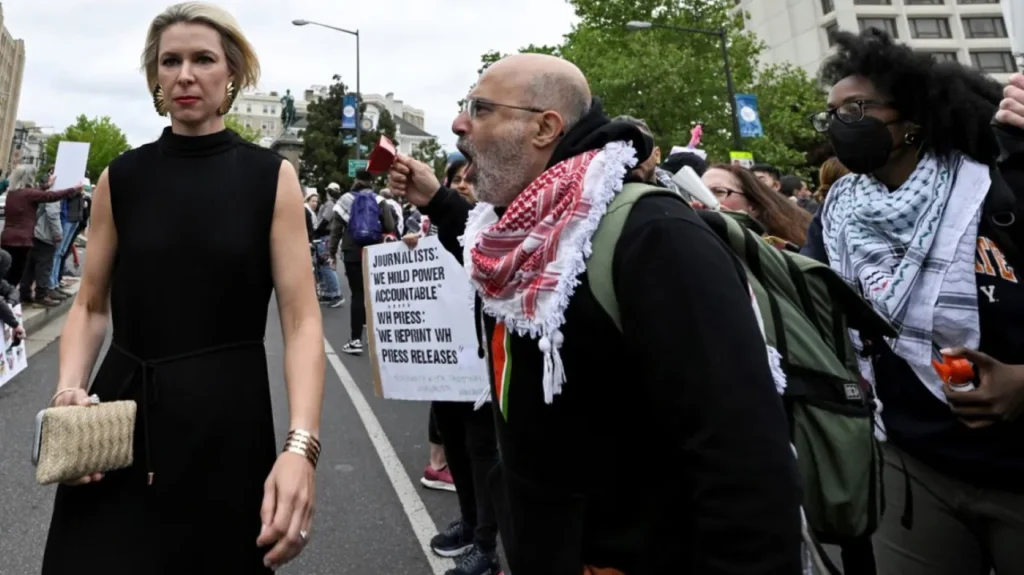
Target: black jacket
668	449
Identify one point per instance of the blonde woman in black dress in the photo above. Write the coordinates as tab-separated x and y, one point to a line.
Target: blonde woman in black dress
209	490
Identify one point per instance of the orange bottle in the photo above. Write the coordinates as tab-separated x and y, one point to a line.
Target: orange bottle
957	372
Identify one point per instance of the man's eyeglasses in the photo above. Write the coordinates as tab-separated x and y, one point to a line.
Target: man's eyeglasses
474	106
847	113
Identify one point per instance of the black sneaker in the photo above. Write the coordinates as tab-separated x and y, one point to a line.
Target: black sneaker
354	347
454	541
336	302
476	562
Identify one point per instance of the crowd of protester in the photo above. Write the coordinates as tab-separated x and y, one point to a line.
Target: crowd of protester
647	411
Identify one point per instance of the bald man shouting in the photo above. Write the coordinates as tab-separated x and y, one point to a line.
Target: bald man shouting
658	448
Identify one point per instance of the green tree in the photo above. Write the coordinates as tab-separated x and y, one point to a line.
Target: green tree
434	155
106	142
248	134
674	79
326	149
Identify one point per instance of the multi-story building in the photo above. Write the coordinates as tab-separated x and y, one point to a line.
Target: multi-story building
973	32
262	111
409	121
12	66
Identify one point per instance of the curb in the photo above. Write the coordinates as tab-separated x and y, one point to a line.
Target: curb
38	321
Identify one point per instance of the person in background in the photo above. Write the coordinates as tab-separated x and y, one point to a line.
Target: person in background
740	191
769	175
829	172
455	179
70	215
928	227
796	189
646	171
712	485
396	210
352	252
21	210
8	299
311	202
326	212
676	161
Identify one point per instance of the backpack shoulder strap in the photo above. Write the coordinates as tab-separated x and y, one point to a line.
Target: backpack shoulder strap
599	264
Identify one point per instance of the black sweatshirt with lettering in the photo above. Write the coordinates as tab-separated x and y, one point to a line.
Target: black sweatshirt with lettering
667	450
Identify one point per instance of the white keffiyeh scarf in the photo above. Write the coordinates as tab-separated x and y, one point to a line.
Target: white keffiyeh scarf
911	252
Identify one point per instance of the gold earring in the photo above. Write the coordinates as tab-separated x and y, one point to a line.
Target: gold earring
229	99
158	100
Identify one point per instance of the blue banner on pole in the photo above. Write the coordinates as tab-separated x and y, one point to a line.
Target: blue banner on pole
348	113
749	117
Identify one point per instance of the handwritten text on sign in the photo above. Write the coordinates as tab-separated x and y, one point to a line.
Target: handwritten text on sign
422	336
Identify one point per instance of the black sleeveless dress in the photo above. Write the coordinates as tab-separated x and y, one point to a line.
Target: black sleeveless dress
190	290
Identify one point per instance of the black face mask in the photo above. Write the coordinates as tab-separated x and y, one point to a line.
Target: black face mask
864	146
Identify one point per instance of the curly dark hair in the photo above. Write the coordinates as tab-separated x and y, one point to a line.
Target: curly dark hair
953	105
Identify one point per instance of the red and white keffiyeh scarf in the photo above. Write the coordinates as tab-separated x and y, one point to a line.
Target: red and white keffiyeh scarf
525	265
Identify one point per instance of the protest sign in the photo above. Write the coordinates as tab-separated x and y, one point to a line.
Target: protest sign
15	357
423	343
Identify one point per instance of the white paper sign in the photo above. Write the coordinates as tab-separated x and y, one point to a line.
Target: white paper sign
15	357
420	320
69	167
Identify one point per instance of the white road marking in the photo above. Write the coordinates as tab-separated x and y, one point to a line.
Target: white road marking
422	524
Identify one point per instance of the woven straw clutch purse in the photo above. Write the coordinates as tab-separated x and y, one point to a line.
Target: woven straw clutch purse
75	441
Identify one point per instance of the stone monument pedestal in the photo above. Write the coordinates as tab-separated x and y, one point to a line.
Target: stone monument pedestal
290	146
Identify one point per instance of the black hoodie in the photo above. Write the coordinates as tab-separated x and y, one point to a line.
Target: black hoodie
667	450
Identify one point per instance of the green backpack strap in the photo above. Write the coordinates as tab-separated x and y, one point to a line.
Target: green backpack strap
599	264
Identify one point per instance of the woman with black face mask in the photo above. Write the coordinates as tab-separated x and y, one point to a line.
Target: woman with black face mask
929	228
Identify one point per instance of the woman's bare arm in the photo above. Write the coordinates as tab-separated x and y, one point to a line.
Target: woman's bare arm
301	323
86	325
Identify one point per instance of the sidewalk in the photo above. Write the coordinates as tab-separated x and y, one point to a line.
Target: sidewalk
34	318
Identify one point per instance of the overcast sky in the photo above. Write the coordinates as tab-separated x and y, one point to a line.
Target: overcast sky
82	56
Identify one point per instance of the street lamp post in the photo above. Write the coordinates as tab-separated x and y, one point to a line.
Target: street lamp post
720	33
359	93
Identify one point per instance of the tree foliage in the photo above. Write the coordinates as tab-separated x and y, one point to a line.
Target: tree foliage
249	134
325	153
674	79
106	142
432	154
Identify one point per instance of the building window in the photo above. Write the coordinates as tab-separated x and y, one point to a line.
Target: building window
993	62
873	2
248	124
263	126
266	109
929	28
977	1
248	108
273	110
993	27
924	2
827	6
830	33
883	24
944	56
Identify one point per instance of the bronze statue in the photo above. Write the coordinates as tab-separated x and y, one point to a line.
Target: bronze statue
288	110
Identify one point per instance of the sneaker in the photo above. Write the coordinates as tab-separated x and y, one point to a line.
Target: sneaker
440	479
336	302
476	562
63	292
354	347
454	541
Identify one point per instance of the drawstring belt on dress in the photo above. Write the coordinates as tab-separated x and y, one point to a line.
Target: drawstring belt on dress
150	392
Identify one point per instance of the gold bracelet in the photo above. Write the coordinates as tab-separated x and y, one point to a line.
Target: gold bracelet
301	442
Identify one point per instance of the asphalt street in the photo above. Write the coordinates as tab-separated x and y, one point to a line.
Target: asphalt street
363	526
